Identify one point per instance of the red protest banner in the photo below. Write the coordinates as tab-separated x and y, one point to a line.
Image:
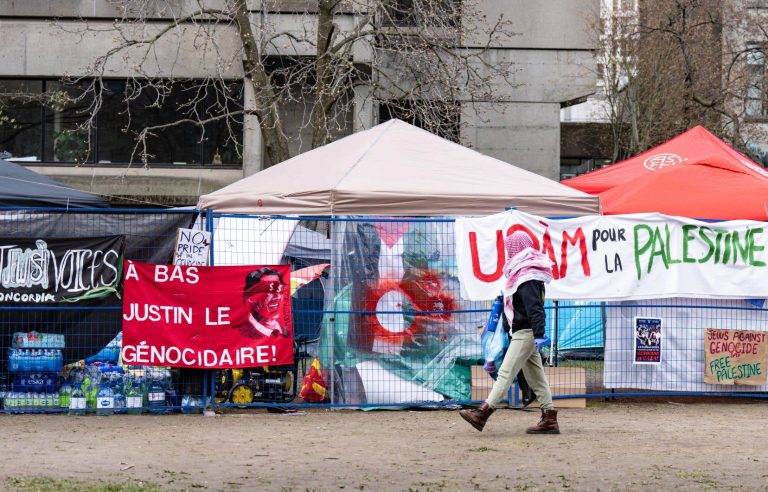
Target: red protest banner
207	317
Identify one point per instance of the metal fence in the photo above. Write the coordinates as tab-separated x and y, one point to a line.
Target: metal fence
381	311
389	326
54	354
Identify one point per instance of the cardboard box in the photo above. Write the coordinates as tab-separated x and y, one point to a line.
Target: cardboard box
562	381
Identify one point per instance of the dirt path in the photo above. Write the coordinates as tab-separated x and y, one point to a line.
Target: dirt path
608	446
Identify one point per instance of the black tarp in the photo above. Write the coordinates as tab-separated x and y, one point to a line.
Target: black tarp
88	325
21	187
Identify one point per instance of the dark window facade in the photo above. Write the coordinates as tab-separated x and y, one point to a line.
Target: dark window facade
21	119
44	121
444	118
414	13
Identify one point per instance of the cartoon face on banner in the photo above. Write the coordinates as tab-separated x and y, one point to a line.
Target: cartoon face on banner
263	296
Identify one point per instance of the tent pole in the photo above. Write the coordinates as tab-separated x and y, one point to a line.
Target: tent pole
553	352
334	271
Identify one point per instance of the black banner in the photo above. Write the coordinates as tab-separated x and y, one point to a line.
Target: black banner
59	270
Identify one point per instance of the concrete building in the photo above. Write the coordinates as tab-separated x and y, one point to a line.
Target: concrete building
41	41
725	46
585	131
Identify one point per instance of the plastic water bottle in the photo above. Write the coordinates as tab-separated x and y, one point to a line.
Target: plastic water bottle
20	398
27	404
134	395
191	404
105	400
19	402
119	403
10	402
20	382
31	383
44	405
50	383
173	399
89	387
156	397
55	402
116	382
14	361
77	401
65	393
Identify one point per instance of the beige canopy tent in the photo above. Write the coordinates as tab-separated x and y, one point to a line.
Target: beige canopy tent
396	169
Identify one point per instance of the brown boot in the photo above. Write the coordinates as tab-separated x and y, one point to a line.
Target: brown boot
477	417
547	424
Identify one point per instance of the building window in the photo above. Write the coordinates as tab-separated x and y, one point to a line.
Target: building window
412	13
571	167
21	119
45	121
754	102
438	117
67	138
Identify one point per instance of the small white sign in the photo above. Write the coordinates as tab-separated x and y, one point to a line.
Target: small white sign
192	247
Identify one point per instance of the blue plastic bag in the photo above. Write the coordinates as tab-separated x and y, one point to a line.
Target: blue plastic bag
110	353
494	340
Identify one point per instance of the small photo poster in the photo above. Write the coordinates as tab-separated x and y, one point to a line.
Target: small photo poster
647	341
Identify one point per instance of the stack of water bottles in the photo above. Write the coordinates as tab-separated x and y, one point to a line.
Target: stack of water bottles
35	360
37	384
35	339
107	390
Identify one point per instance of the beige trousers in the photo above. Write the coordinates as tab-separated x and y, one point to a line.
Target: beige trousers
522	354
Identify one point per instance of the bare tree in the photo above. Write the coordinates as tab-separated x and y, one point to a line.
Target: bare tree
675	64
419	58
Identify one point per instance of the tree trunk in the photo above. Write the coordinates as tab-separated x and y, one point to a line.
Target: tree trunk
324	90
265	101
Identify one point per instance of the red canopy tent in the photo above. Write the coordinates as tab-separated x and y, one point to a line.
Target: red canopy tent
693	175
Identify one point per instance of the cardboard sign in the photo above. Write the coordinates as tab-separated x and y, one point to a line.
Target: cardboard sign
192	247
735	357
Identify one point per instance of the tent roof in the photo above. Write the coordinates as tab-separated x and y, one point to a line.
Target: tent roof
692	175
21	187
396	169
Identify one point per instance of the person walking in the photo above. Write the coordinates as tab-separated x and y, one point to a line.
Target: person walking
526	271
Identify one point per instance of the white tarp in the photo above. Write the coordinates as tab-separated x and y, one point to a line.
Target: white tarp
682	357
250	240
396	169
618	257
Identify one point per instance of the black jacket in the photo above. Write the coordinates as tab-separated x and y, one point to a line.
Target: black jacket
528	304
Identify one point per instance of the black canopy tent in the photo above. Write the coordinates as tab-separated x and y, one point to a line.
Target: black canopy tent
21	187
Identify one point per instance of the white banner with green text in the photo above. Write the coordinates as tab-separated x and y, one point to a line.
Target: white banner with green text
620	257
